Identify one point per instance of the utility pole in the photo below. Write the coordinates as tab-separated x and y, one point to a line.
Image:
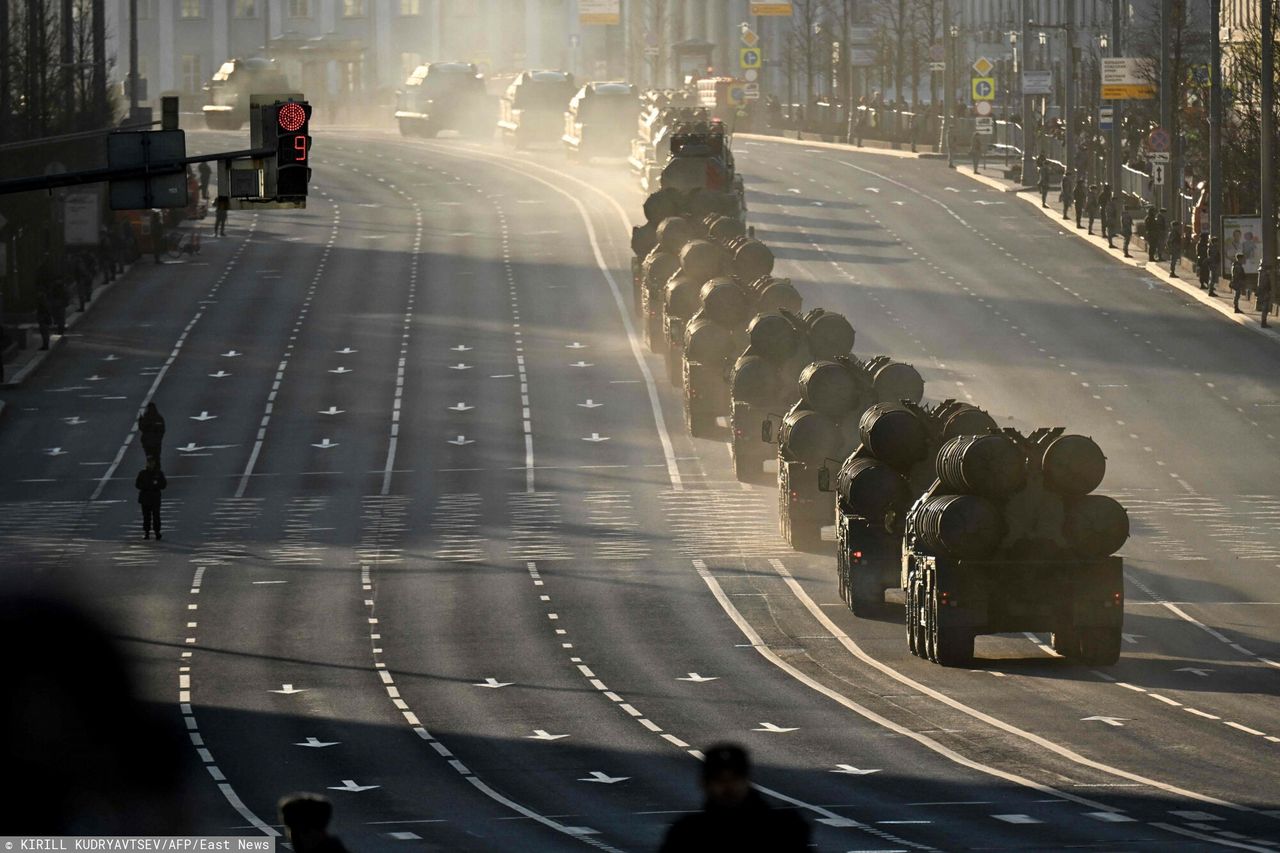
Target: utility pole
1028	128
1069	94
948	81
1117	108
133	59
99	62
1166	92
1266	270
5	51
266	28
1215	118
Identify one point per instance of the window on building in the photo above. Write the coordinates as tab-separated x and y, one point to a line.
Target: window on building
192	9
299	8
410	7
353	8
192	79
246	8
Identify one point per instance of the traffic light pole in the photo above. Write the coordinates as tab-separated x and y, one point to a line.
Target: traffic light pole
96	176
1028	129
1266	270
1215	119
1117	108
948	81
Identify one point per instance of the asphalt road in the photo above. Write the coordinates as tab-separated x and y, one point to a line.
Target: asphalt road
437	545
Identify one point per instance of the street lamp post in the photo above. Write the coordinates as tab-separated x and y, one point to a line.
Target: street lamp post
1117	199
1068	89
948	81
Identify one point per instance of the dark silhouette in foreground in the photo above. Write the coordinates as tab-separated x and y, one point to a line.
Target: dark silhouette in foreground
306	820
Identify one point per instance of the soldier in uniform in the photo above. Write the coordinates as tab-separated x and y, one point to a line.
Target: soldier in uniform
1202	259
1174	245
1214	263
1104	211
1238	280
1091	206
1162	232
1265	287
1126	229
1149	231
1042	182
151	431
1065	194
150	482
1079	198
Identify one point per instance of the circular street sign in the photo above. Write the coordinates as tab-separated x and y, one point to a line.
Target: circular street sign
751	74
937	53
983	108
1158	140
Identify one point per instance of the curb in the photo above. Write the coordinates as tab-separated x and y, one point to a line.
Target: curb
835	146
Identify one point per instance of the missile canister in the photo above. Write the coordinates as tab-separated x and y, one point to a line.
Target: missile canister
674	232
829	388
725	302
1095	525
894	380
682	298
830	334
957	418
776	294
1073	465
966	527
700	259
992	466
894	435
756	381
706	341
871	488
773	336
809	436
751	258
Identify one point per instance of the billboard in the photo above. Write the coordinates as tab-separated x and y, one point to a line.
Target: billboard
1242	235
771	9
1126	78
599	12
1037	82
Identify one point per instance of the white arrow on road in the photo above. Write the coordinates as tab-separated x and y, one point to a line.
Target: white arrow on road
351	786
190	447
776	729
984	202
459	366
1133	638
288	690
951	189
325	444
221	374
793	190
203	416
316	743
111	358
590	404
1110	721
75	421
541	734
575	345
581	364
898	203
461	348
1203	673
461	440
332	410
872	189
595	437
346	351
340	370
55	451
94	378
460	407
697	679
604	778
232	354
852	771
816	203
494	683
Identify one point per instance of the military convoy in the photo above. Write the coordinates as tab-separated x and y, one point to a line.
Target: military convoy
532	108
230	88
595	125
443	96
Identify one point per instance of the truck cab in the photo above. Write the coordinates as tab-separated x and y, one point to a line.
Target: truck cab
442	96
599	120
533	107
230	87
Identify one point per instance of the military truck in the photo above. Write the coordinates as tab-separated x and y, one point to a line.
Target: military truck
895	459
660	113
598	121
532	108
443	96
1010	538
702	160
229	89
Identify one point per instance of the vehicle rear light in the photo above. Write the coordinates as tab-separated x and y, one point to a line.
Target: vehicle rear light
945	599
857	555
737	432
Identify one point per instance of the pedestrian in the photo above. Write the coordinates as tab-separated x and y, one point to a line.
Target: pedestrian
1091	206
150	482
1265	287
220	207
1079	199
44	317
106	255
1126	229
1238	280
56	288
1104	211
1149	232
84	273
1202	260
1042	182
128	241
306	821
1174	246
1214	264
151	430
1162	232
205	172
157	235
975	150
1065	194
734	815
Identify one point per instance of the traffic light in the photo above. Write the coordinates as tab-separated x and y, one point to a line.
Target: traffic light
284	127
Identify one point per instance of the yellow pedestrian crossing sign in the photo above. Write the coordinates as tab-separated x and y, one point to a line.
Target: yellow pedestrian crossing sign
984	88
749	57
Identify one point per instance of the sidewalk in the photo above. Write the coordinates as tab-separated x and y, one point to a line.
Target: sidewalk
1187	282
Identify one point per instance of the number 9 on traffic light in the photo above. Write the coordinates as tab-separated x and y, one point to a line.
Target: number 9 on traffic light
293	146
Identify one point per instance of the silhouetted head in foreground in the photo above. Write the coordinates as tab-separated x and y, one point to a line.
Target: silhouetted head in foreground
306	819
726	775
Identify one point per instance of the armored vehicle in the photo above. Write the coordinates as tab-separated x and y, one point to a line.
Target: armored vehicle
532	108
231	86
443	96
599	120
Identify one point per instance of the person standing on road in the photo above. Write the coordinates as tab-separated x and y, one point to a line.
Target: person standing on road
205	173
1080	198
1174	245
735	816
220	207
1149	232
44	317
1265	288
1162	232
1065	194
1042	184
1104	211
1202	260
306	819
1091	206
1238	280
1214	263
975	150
1126	229
151	431
157	235
150	482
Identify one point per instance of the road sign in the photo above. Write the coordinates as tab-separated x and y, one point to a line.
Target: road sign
1157	174
777	10
937	66
139	149
862	56
1037	82
1126	77
982	108
862	35
749	57
985	125
937	53
1106	118
984	88
599	12
983	66
749	37
651	50
1158	156
750	75
737	94
751	92
1158	140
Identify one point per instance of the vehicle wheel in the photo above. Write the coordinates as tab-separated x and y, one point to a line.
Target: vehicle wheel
1065	640
866	594
653	335
928	624
1098	646
952	645
675	365
911	616
806	534
701	423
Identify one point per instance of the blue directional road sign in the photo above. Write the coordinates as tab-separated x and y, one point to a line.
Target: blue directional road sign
1106	118
984	89
749	57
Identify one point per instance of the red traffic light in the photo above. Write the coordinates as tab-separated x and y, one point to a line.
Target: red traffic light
291	116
